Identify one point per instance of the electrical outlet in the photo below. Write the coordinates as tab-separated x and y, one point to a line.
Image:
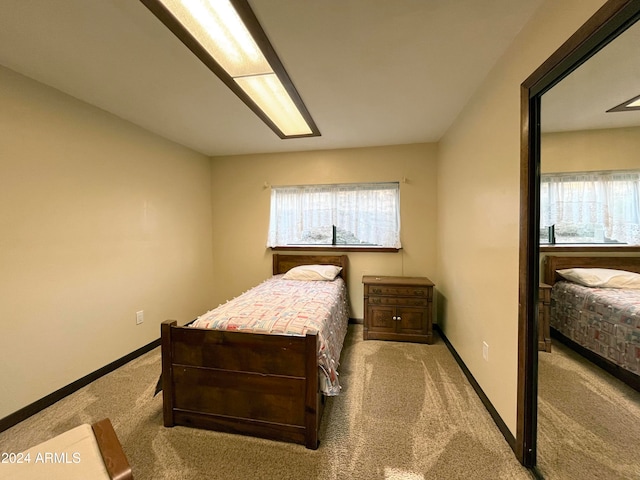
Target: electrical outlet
139	317
485	351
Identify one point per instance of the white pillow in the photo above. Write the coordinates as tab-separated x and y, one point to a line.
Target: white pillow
601	277
313	272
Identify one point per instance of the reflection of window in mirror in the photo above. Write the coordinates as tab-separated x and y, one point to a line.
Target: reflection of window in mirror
590	169
600	207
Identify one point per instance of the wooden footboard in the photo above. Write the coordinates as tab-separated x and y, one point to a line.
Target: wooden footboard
246	383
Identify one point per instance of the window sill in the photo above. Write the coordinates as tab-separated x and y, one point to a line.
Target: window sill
335	248
589	248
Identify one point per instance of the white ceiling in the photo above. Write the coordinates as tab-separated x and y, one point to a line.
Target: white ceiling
609	78
371	72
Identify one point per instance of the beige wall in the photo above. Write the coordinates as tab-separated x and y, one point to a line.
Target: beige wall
478	208
98	219
241	211
590	150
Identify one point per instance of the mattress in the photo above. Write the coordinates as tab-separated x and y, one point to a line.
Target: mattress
603	320
291	307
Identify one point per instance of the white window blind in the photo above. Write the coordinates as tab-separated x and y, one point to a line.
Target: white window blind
591	207
341	214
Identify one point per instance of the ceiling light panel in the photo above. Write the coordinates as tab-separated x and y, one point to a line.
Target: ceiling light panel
221	32
227	37
272	98
628	106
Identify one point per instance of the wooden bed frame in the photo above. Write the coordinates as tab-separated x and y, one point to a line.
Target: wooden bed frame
553	263
246	383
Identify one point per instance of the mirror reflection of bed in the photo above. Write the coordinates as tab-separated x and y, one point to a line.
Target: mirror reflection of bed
595	308
579	403
589	386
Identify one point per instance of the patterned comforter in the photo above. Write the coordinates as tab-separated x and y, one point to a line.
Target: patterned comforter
604	320
291	307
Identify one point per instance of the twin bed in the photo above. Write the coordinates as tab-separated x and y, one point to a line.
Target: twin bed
601	323
263	363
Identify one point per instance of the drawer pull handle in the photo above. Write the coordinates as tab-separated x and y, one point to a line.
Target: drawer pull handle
397	318
377	290
418	292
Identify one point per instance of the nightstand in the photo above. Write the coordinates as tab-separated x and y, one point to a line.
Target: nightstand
544	305
398	308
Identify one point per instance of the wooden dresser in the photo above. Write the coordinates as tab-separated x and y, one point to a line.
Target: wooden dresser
398	308
544	332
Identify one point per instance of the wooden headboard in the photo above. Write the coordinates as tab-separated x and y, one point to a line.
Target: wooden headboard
553	263
284	263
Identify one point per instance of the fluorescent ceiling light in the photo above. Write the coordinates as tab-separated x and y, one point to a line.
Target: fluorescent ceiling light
270	95
218	28
226	36
629	105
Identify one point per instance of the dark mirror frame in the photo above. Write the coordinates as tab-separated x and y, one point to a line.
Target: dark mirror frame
613	18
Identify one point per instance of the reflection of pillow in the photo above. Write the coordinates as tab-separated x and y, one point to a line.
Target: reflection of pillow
313	272
601	277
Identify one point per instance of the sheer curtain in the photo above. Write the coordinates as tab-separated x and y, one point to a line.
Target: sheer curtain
364	214
607	199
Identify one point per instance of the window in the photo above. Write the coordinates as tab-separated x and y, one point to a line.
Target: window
362	214
590	207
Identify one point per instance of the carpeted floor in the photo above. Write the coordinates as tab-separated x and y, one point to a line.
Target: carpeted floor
588	421
406	412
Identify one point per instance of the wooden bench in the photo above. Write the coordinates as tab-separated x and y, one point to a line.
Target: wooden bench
84	452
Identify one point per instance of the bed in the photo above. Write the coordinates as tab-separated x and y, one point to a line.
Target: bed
251	383
602	324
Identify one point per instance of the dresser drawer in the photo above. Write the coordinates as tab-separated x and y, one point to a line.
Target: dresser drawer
399	291
408	301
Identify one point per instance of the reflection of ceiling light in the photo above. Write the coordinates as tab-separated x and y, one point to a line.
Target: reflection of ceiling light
226	36
629	105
